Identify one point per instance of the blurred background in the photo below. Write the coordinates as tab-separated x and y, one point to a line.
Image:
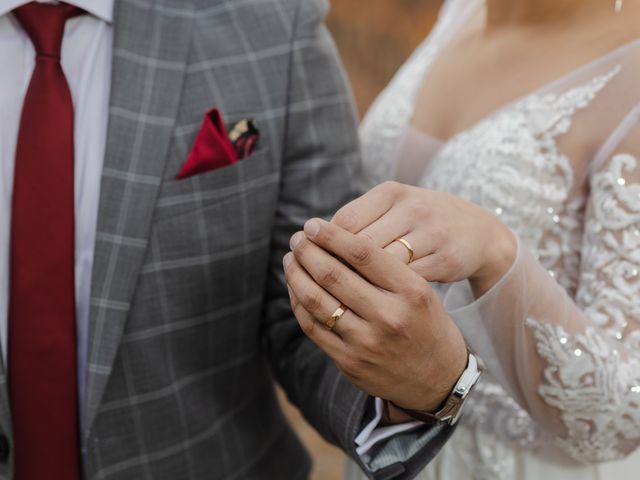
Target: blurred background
374	38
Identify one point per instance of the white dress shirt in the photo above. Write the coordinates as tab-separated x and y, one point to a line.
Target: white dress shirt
86	61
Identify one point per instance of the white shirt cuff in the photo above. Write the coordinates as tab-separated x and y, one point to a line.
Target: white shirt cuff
372	433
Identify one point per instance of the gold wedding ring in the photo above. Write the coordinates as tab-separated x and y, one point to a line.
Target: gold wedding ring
409	247
337	315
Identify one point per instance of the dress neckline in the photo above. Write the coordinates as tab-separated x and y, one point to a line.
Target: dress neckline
549	85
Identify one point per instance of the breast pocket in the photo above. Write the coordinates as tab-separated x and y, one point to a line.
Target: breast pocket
209	244
179	196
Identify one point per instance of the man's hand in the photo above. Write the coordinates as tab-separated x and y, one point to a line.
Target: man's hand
395	340
452	239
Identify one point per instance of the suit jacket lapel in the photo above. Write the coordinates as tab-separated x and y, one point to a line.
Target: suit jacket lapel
151	43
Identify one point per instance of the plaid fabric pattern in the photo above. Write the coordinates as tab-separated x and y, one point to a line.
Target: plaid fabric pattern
190	319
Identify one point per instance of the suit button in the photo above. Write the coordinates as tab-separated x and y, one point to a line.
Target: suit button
4	449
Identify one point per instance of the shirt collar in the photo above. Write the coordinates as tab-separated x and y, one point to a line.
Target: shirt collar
103	9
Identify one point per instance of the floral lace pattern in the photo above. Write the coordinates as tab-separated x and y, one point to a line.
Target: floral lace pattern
585	377
516	149
613	259
586	380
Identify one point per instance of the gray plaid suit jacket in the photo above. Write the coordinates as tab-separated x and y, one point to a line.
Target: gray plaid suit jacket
190	319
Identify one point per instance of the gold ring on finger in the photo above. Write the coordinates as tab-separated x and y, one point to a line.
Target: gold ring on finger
409	247
337	315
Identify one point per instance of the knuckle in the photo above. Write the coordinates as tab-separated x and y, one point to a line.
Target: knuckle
302	246
352	365
439	236
366	237
420	210
347	371
312	302
396	326
370	344
441	257
419	294
450	261
345	218
360	253
301	250
328	233
391	187
330	276
346	367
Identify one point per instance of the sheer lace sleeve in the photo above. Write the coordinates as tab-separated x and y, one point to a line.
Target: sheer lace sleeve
574	363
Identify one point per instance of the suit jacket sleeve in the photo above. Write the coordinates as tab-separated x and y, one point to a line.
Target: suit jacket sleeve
320	161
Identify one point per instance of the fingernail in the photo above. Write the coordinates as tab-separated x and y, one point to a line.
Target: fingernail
295	240
286	261
312	228
290	292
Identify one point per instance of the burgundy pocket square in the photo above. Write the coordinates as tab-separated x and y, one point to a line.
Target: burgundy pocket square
214	148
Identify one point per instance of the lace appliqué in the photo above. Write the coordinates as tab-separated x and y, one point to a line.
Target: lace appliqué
510	164
596	391
610	291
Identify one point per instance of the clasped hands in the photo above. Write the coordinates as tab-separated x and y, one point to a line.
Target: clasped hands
395	340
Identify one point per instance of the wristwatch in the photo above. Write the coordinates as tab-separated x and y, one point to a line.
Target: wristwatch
449	412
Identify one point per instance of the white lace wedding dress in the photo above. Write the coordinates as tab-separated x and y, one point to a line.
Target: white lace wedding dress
560	333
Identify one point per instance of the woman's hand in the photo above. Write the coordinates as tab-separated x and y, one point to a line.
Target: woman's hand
452	239
395	340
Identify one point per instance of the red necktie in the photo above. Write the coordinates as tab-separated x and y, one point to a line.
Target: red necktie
42	331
